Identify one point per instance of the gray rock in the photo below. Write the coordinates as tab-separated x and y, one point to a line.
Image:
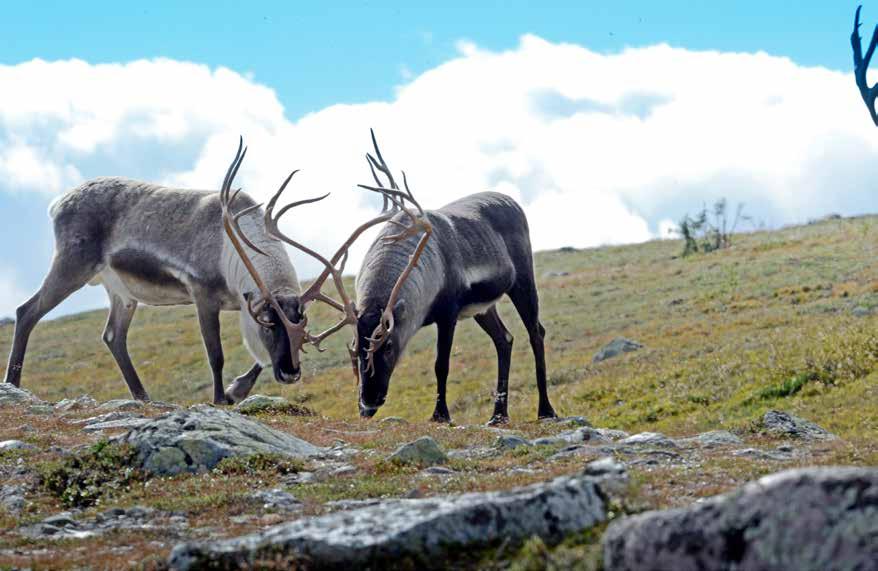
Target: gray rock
805	519
79	403
121	404
11	395
584	434
778	423
262	403
12	498
569	420
438	471
276	500
604	466
612	433
118	424
616	347
424	530
473	453
510	442
107	417
424	451
197	439
713	439
555	274
860	311
41	409
7	445
63	526
649	439
762	454
393	420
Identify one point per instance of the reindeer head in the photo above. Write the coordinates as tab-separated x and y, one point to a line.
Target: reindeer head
282	317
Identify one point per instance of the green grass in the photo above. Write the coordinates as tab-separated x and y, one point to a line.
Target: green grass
727	335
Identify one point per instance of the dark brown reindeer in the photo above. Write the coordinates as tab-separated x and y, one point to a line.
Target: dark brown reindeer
861	65
438	267
164	246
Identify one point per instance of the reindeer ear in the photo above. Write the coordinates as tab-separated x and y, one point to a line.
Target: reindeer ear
399	308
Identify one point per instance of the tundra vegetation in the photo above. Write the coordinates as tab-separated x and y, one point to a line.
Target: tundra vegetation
783	320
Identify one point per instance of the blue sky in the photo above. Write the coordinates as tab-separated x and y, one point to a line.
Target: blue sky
319	53
573	108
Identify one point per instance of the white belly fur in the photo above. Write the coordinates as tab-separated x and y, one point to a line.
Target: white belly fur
476	309
129	288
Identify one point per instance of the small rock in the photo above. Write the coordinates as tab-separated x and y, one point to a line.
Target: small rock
761	454
40	409
7	445
79	403
10	394
120	424
276	500
616	347
393	420
121	404
612	433
510	442
438	471
860	311
604	466
649	439
12	498
778	423
423	451
713	439
570	421
555	274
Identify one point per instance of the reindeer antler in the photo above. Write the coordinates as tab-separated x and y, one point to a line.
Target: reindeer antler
861	65
418	223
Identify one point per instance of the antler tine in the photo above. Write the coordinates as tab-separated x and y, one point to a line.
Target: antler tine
369	160
861	65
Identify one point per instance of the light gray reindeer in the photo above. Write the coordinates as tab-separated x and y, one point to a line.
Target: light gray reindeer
164	246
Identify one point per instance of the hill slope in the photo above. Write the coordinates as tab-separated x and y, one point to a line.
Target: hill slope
782	319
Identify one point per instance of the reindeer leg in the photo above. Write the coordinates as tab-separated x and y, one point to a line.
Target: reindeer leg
70	271
242	385
116	339
491	323
443	355
524	297
208	320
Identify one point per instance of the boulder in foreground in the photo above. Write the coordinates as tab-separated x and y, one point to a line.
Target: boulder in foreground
423	532
811	518
197	439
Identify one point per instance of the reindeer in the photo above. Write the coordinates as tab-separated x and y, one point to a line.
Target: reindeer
438	267
861	65
165	246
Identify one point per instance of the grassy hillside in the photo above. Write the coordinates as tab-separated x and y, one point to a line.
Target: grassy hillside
781	320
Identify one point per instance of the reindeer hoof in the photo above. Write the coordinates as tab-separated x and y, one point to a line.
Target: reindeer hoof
443	418
546	414
499	420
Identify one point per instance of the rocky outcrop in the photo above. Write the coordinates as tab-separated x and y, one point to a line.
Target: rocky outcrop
424	452
811	518
423	532
783	424
616	347
197	439
12	395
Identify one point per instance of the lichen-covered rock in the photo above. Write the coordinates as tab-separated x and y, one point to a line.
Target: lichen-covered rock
649	439
812	518
81	402
197	439
424	451
713	439
616	347
121	405
261	403
510	441
778	423
11	395
422	531
7	445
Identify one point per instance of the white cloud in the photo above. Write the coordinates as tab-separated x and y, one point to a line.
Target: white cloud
11	294
599	148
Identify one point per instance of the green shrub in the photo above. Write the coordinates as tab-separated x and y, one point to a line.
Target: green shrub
82	479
